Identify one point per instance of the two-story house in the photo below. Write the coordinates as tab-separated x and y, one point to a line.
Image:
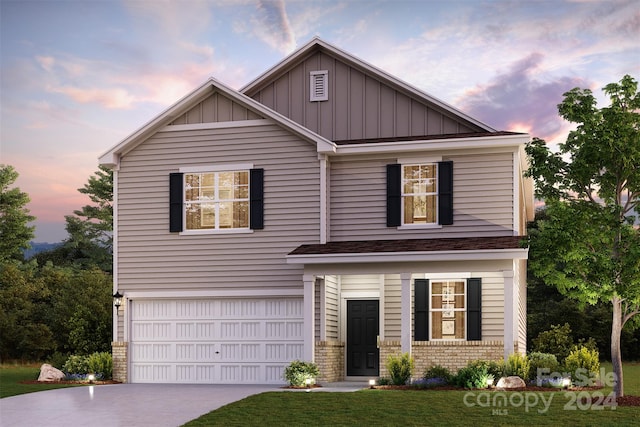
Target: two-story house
326	212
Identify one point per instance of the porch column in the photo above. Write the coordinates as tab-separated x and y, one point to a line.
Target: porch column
405	320
510	312
309	327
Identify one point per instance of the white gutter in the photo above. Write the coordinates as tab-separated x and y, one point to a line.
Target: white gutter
502	141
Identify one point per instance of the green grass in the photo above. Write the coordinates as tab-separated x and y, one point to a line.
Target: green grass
434	408
11	375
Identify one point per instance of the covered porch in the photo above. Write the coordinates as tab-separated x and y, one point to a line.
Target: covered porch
444	301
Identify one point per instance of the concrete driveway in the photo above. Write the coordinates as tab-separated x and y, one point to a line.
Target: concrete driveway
121	404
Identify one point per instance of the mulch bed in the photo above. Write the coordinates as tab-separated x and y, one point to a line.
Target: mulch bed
621	401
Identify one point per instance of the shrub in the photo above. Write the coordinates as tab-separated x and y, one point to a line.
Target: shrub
438	372
517	364
557	341
546	361
496	369
474	375
76	365
298	372
384	381
400	368
101	363
57	360
583	364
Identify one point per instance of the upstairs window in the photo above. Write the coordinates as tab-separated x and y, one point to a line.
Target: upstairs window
319	85
216	200
420	194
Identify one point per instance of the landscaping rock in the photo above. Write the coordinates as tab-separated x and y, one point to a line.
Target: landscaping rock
49	373
507	383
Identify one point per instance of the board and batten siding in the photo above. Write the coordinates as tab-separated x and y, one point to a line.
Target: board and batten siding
150	257
214	109
360	105
482	198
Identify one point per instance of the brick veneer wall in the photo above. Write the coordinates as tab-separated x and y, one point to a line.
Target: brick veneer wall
120	354
453	355
450	354
330	360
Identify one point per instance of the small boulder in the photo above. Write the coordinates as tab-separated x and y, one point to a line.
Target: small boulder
507	383
49	373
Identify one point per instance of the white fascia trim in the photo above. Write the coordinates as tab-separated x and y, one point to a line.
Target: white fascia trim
387	257
214	293
216	125
512	141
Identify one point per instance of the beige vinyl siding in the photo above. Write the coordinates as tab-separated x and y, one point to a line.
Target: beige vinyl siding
360	105
483	194
492	305
360	283
149	257
520	280
392	307
332	299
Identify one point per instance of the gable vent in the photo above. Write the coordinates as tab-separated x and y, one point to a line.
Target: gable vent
319	85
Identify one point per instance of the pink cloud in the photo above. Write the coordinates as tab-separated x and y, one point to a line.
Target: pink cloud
108	98
518	99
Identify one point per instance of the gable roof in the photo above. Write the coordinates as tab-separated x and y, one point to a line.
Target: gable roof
111	157
317	44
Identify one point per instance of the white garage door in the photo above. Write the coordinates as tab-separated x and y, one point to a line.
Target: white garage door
214	341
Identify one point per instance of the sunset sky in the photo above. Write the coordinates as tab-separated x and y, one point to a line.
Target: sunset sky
77	77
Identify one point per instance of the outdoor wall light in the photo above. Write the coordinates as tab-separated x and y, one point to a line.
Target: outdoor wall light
117	300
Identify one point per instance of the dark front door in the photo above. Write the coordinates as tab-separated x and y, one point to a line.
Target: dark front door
362	338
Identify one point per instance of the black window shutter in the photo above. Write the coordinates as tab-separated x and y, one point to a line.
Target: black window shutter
394	195
421	307
175	202
474	309
256	199
445	193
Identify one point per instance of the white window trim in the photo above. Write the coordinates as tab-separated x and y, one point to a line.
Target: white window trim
233	167
419	162
431	310
313	78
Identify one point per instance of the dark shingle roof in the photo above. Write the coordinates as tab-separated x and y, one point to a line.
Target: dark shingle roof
412	245
427	137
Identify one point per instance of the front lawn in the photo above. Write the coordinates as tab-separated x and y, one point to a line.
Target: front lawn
435	408
12	375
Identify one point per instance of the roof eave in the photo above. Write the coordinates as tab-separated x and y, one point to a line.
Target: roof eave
413	256
435	144
112	156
